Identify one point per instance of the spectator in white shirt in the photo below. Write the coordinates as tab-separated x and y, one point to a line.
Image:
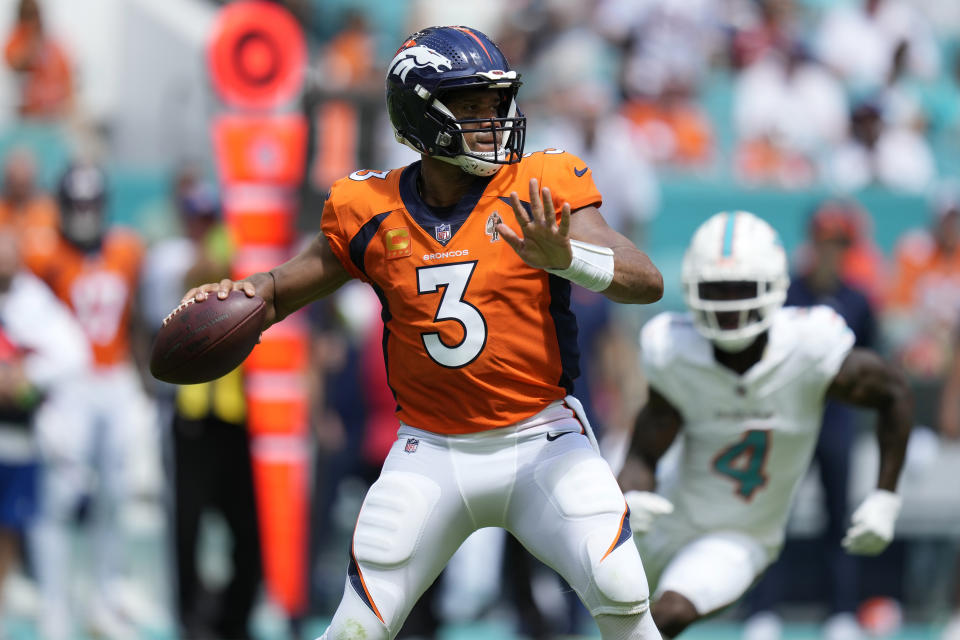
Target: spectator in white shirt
860	42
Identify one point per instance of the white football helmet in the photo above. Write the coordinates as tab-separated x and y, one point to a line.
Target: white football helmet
734	278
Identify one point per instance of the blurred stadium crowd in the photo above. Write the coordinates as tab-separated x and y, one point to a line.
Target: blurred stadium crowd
838	122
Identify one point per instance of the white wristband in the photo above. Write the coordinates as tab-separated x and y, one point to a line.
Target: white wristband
591	267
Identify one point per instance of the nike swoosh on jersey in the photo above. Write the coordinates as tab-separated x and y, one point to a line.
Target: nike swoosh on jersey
551	436
580	172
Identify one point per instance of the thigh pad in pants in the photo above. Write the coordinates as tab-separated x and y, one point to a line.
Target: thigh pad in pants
594	511
386	541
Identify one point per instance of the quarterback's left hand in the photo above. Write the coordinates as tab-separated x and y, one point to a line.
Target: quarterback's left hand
871	528
544	243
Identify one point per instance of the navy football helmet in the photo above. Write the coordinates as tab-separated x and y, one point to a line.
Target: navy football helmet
437	60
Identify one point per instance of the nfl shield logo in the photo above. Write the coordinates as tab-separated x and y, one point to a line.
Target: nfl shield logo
411	446
443	233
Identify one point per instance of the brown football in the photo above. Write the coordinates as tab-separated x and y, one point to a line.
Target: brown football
201	341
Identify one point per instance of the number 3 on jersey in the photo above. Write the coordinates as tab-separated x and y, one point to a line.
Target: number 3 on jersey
454	279
744	462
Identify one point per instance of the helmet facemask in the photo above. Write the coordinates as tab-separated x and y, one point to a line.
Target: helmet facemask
732	313
508	130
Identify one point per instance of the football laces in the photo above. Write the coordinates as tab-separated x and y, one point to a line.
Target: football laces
180	307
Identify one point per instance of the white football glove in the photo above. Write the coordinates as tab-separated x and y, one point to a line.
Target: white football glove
871	526
645	507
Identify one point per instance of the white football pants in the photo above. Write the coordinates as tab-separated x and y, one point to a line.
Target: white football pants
541	480
712	570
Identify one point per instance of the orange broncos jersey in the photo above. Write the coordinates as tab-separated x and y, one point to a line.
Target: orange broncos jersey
474	338
100	289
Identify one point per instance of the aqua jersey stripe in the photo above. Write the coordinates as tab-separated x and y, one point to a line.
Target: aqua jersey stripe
727	251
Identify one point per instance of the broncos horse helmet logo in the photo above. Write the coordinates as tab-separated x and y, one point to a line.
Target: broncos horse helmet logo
418	57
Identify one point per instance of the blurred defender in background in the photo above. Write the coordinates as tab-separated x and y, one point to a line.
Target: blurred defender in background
762	374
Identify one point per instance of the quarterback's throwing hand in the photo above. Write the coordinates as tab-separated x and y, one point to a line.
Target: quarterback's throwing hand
645	507
222	289
543	244
871	528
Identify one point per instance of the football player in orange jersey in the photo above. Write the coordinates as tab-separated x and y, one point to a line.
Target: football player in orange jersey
109	438
472	252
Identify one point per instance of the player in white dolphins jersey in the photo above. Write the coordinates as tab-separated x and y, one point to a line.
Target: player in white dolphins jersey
742	381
